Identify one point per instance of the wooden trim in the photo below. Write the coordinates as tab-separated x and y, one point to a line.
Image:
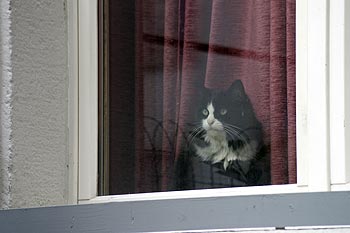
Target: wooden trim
339	91
72	9
301	91
317	99
88	99
103	95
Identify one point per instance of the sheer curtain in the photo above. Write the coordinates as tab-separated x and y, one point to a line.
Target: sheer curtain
184	44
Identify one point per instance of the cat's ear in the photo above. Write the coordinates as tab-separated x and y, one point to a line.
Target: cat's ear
237	90
204	93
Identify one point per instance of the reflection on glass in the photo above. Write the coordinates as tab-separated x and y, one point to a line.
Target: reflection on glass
202	94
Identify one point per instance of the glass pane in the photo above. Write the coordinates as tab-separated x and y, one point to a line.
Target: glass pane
201	94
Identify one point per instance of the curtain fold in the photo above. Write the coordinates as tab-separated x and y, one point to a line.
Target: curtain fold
173	38
278	93
291	90
182	45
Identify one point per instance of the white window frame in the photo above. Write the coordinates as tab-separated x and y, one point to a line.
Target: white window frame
323	104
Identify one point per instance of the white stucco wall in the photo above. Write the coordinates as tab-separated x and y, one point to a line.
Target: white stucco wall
34	103
5	103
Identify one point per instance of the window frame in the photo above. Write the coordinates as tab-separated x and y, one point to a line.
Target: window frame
322	73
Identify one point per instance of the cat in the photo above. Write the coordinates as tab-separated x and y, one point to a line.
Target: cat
225	147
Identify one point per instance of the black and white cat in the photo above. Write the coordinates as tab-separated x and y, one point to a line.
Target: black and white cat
225	148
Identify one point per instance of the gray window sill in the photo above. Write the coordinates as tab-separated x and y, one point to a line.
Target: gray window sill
257	211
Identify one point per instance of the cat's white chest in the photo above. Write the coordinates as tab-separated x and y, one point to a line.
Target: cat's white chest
219	151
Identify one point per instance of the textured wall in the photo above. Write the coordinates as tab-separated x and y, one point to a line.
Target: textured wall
5	104
38	103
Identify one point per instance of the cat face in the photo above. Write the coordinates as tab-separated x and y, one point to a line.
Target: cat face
210	119
229	111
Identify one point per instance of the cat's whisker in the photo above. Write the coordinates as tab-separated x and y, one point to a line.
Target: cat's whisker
234	129
234	126
236	134
198	130
255	128
239	130
194	131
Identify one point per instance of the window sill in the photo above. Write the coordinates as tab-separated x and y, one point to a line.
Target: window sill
275	211
205	193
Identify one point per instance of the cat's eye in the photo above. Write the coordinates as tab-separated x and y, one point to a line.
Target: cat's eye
223	111
205	112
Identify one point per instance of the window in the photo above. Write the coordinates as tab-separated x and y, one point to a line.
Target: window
182	74
321	137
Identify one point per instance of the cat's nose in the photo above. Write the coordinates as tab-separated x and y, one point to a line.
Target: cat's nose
210	121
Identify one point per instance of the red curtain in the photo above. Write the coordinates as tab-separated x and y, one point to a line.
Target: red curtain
183	44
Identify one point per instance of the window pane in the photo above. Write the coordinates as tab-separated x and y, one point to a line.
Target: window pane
201	94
